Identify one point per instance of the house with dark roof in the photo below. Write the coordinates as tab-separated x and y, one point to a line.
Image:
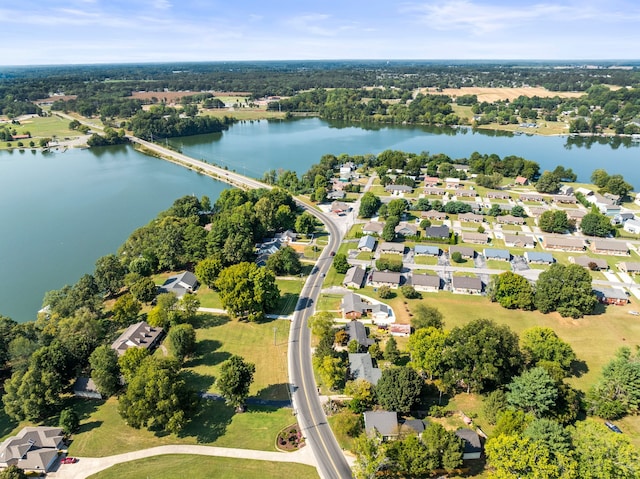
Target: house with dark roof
139	335
610	247
466	285
385	278
519	241
352	306
497	254
472	445
615	296
85	388
180	284
367	243
465	251
535	257
438	232
357	332
384	423
426	282
354	277
33	449
361	367
426	250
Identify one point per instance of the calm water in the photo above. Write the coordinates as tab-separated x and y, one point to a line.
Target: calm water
62	211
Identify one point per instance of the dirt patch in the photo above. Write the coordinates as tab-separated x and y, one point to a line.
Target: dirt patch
495	94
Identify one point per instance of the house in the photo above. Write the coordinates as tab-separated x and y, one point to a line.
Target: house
465	251
521	181
563	243
433	215
264	250
630	267
180	284
575	214
466	194
497	254
566	190
367	243
452	183
584	191
431	180
497	195
361	367
614	198
536	210
531	197
373	228
287	236
336	195
385	278
339	207
433	191
33	449
392	248
139	335
412	426
475	238
398	189
622	218
535	257
459	167
632	226
519	241
426	282
406	229
352	306
471	217
472	445
475	207
426	250
564	199
86	388
357	332
384	423
509	220
378	311
609	210
612	247
354	277
466	285
615	296
400	330
587	262
439	232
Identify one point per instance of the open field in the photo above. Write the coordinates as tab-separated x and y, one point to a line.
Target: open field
204	467
495	94
245	114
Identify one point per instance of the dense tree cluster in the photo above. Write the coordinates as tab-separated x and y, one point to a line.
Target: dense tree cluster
566	289
164	122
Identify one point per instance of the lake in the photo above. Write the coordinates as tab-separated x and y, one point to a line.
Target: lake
62	211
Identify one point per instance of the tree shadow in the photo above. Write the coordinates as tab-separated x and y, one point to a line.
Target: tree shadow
274	392
578	368
207	354
89	426
209	320
599	309
210	422
287	303
83	407
197	382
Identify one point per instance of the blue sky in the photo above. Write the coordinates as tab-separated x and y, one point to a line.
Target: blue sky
107	31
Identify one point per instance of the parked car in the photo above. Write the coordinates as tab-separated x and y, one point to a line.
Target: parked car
613	427
68	460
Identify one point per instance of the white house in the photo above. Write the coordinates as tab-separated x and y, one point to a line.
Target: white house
632	226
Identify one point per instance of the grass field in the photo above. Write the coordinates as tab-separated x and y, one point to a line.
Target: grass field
204	467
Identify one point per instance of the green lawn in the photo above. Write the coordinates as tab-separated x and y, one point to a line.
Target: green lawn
511	228
354	231
204	467
42	127
289	293
497	264
429	260
209	298
329	302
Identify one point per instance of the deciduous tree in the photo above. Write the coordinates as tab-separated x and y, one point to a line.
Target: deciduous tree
234	381
399	389
105	371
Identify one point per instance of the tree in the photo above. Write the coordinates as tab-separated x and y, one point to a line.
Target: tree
599	177
126	309
285	261
208	269
389	229
481	355
391	352
410	457
69	421
548	183
443	446
13	472
512	291
362	395
347	423
332	371
554	221
399	389
247	291
234	381
409	292
32	395
130	361
617	186
109	274
397	207
493	405
543	344
164	313
188	306
321	323
105	371
144	290
426	346
550	433
340	263
596	224
603	455
518	211
369	204
384	292
157	397
306	223
425	316
566	289
534	391
456	256
182	340
371	456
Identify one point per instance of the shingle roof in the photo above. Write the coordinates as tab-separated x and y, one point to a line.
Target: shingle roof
368	242
519	239
357	331
137	335
609	245
441	231
497	253
471	440
384	422
361	367
467	282
385	277
388	246
426	280
354	275
351	302
373	226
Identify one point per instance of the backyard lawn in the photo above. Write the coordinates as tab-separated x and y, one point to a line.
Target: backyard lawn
204	467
